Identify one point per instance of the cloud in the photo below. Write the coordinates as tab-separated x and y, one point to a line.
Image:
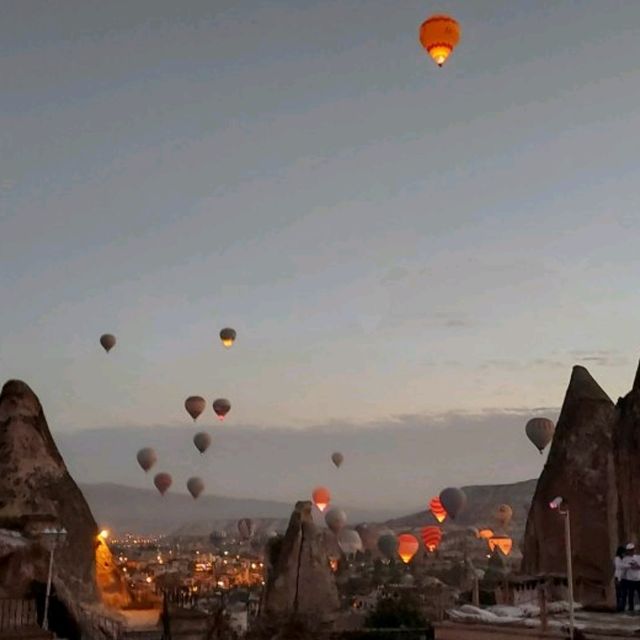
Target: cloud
395	465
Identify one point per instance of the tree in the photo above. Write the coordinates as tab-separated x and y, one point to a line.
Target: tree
394	612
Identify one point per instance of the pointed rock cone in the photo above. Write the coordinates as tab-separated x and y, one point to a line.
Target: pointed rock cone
299	579
580	468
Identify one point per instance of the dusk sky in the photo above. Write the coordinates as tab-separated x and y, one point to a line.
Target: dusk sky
399	246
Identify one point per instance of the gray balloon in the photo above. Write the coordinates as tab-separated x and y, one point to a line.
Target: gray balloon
388	545
202	441
453	500
336	519
337	458
350	542
146	458
540	431
107	341
195	487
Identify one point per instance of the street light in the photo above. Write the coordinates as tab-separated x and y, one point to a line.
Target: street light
51	537
561	505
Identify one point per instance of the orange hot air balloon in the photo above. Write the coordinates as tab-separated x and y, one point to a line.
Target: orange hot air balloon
439	35
485	534
408	546
431	536
504	543
321	498
439	512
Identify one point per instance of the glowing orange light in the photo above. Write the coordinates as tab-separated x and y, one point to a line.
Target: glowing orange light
503	543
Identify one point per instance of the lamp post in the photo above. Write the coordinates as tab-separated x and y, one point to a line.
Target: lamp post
50	538
562	507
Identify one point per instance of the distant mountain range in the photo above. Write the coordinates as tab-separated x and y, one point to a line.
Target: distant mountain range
144	511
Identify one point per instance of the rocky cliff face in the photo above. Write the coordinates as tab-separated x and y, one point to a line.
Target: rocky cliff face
593	465
36	491
300	580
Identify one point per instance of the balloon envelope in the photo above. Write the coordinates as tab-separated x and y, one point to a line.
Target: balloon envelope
504	543
337	458
408	546
163	482
246	528
195	486
221	407
202	441
321	497
228	337
439	35
336	519
438	511
431	536
540	431
146	458
195	405
453	500
504	513
107	341
350	542
388	545
369	535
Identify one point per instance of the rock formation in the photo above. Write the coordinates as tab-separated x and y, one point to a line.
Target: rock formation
299	579
593	464
36	491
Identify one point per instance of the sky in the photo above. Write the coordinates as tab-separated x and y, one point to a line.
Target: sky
388	238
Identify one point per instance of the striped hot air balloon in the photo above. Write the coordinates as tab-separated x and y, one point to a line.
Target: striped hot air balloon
438	511
431	536
504	543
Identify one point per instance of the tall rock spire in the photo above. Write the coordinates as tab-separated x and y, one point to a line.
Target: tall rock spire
581	469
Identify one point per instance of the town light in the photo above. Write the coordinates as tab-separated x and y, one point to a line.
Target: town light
104	534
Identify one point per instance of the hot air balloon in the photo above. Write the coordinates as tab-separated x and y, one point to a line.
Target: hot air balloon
246	528
107	341
438	511
439	35
453	500
163	482
350	542
540	432
146	458
321	497
218	536
195	405
408	545
336	519
485	534
221	406
504	543
431	536
369	536
337	458
195	487
228	337
388	545
504	513
202	441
